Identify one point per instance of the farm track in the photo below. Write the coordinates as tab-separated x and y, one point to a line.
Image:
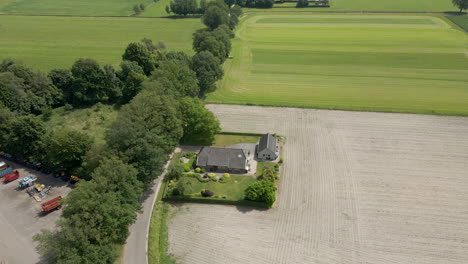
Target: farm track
356	187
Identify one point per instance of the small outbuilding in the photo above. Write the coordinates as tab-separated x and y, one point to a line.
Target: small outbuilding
267	148
217	159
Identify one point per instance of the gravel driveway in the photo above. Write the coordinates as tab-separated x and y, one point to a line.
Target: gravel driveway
19	218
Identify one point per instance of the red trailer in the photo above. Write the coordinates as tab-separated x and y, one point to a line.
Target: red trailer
11	176
52	204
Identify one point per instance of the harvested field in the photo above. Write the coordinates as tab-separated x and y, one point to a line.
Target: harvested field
356	187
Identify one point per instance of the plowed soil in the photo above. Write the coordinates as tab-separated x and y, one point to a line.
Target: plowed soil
356	187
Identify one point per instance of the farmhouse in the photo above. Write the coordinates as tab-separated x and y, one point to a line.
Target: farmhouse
267	148
223	160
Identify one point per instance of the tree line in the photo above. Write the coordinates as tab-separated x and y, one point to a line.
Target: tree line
160	95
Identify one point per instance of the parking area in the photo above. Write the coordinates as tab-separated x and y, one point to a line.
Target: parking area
20	217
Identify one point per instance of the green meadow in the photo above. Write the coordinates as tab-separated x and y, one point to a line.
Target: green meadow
461	21
394	63
94	121
70	7
56	42
158	9
370	6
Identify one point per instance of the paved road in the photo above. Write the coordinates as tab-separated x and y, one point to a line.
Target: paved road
136	248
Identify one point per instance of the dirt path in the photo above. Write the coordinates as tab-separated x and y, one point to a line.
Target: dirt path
357	188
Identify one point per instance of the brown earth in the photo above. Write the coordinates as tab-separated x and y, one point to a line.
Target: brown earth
356	187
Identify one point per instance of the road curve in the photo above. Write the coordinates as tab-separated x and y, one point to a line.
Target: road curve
136	247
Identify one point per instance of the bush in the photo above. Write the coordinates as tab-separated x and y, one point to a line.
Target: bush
225	178
212	176
175	171
198	177
68	107
207	193
261	191
281	160
175	192
137	9
302	3
46	114
269	173
197	170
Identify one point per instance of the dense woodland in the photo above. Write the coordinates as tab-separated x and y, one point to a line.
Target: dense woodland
160	96
216	11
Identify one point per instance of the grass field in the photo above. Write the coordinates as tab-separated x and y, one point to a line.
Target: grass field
56	42
70	7
233	190
125	7
93	121
157	9
371	5
225	140
395	63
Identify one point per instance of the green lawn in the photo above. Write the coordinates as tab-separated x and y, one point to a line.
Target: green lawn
370	5
395	63
461	21
56	42
226	140
93	121
233	190
70	7
158	234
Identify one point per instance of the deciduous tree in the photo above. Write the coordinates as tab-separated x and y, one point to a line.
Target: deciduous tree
177	78
200	124
26	137
215	16
66	150
208	70
184	7
461	4
146	131
139	53
261	191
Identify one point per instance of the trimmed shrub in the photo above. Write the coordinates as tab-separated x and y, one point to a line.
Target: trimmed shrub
207	193
175	171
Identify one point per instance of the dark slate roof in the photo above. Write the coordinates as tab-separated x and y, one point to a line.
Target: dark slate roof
267	141
222	157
